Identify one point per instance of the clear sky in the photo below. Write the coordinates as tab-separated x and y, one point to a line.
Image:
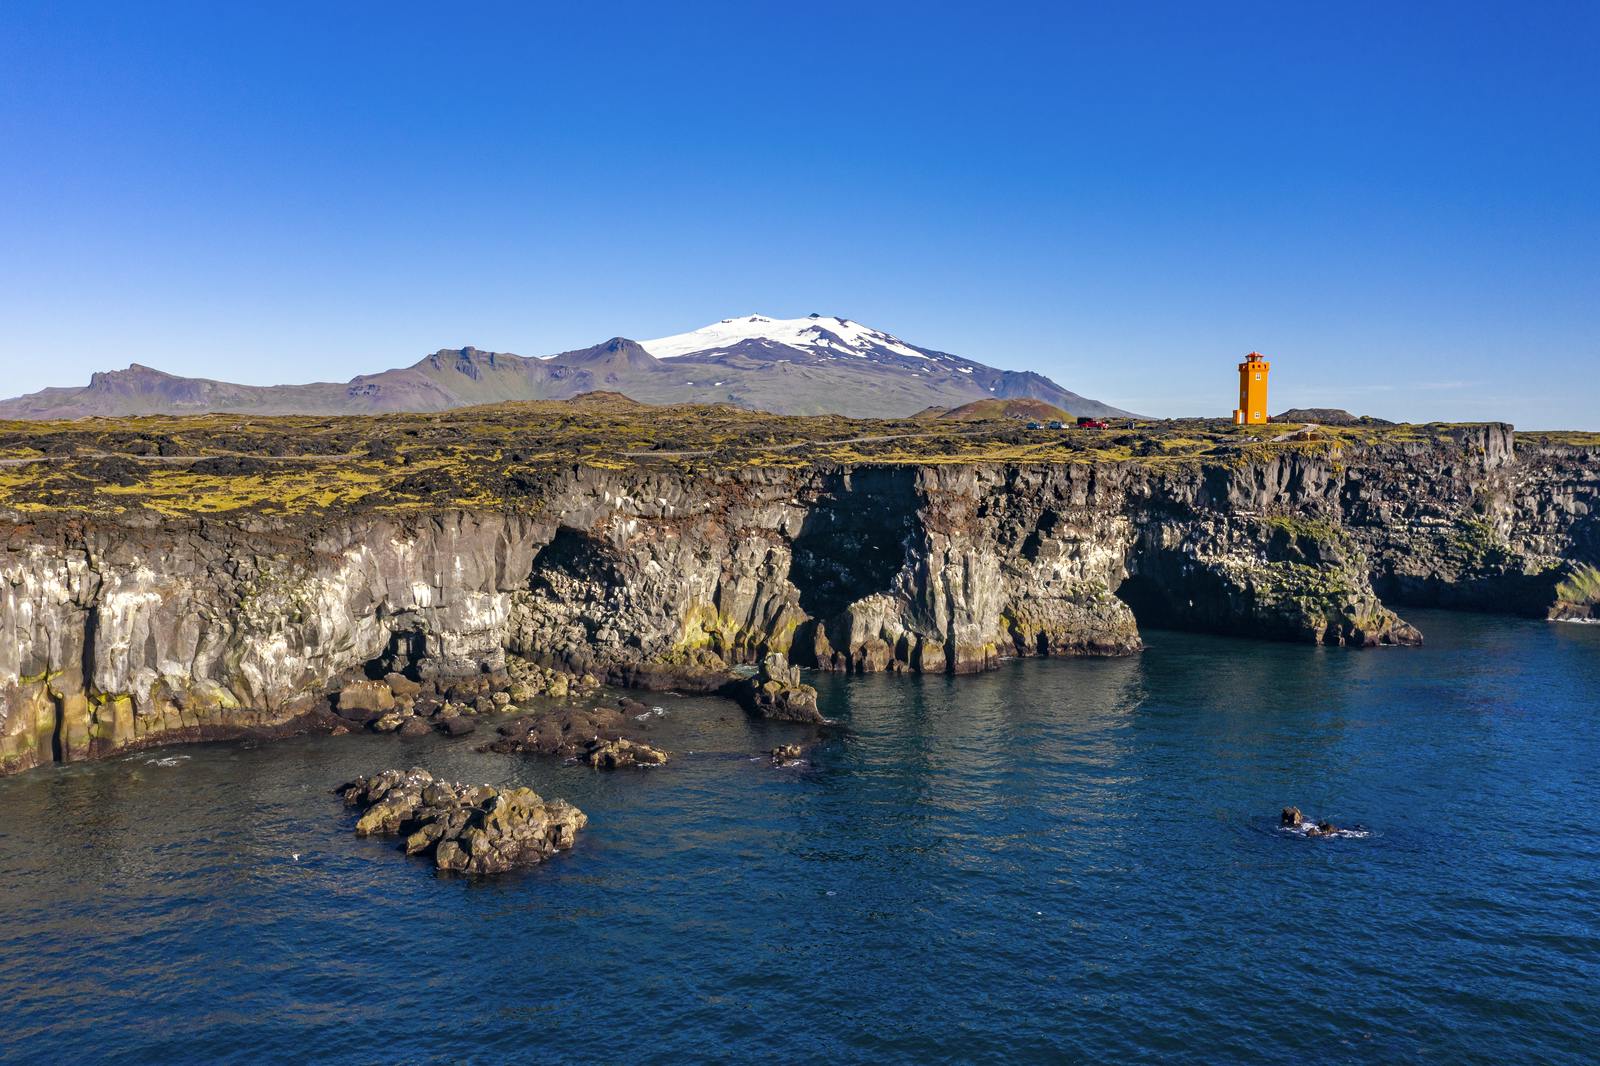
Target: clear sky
1398	203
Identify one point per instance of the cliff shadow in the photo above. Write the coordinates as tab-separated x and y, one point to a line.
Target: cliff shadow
407	647
1526	595
576	593
1165	590
573	556
1460	571
852	542
1148	601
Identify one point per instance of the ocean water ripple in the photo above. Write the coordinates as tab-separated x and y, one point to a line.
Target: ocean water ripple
1060	861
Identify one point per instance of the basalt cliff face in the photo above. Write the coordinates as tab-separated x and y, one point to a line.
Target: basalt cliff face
146	629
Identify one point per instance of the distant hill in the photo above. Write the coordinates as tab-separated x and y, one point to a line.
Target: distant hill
811	365
1328	416
1020	407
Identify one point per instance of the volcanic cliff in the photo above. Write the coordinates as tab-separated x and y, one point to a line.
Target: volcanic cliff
157	584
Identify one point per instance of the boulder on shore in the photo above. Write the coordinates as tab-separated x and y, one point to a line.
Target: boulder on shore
414	727
365	697
474	829
529	680
459	726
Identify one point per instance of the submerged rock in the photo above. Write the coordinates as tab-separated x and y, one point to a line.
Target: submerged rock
566	731
597	735
470	829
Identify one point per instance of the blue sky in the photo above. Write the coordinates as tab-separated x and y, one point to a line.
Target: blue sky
1399	203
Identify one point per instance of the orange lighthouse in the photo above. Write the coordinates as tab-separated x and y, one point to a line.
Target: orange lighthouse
1252	409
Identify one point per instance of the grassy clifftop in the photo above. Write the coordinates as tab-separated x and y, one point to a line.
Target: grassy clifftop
499	455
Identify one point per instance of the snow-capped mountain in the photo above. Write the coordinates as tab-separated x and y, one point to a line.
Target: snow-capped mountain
814	335
826	363
812	365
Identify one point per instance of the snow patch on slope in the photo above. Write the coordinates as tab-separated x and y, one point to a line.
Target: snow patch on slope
817	333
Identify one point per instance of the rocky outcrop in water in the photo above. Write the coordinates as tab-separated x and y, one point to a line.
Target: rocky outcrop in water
1294	821
476	830
137	630
776	691
616	754
599	736
785	755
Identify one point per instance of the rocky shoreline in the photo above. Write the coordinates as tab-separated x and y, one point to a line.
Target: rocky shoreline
125	632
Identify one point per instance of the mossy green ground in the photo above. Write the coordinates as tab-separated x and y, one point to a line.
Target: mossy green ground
501	455
1581	589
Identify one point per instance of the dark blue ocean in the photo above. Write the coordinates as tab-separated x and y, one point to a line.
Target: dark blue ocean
1059	861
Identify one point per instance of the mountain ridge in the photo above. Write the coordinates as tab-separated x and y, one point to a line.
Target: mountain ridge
815	365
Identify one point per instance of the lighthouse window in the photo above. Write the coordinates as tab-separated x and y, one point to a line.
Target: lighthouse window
1258	377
